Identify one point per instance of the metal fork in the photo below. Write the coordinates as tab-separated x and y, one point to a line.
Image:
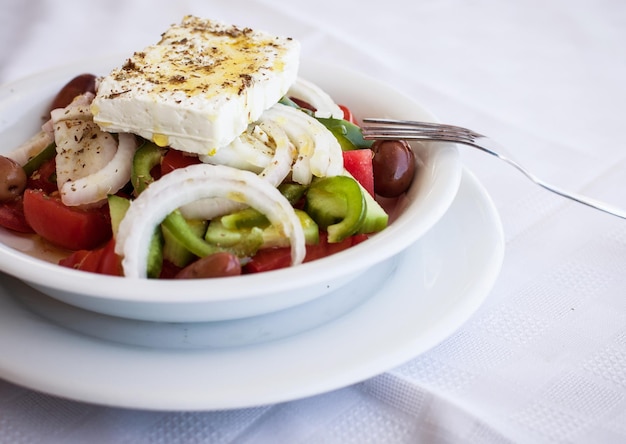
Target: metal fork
389	129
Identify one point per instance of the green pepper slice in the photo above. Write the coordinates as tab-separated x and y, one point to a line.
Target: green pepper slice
40	158
146	157
337	205
349	135
250	217
245	239
288	102
293	192
246	218
174	251
180	230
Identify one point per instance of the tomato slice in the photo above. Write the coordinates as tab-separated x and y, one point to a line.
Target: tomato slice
175	159
275	258
110	262
359	164
44	178
268	259
102	260
67	227
347	114
12	216
169	270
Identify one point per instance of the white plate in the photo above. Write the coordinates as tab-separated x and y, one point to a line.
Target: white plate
217	299
432	289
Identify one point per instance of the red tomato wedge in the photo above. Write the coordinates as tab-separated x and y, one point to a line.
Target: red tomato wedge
12	216
102	260
275	258
268	259
44	178
169	270
359	164
175	159
66	227
347	114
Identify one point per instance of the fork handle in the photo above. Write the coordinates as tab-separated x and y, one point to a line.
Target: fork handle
585	200
481	143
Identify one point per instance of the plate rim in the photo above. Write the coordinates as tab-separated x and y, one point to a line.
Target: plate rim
22	371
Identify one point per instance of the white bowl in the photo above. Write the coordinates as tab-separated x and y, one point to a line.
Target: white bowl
23	103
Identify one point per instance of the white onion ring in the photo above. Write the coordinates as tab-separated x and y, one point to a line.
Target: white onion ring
319	153
316	97
108	180
274	173
198	182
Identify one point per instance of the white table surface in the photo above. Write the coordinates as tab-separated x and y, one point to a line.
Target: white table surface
544	359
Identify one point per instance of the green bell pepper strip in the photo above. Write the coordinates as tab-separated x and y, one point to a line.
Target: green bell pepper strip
288	102
246	218
180	230
250	217
174	227
146	157
293	192
40	158
247	238
177	253
243	242
349	135
337	205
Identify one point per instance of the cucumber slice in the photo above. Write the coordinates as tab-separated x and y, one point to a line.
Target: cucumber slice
117	209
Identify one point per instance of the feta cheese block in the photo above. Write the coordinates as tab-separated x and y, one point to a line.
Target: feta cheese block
199	87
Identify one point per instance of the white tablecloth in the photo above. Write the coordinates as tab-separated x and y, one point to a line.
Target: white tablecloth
544	359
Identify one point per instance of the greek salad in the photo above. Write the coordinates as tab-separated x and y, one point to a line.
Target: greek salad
203	155
122	205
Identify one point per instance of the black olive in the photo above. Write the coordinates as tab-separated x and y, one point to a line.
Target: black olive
394	167
12	179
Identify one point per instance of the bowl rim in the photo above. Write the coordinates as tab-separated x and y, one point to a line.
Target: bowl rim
445	175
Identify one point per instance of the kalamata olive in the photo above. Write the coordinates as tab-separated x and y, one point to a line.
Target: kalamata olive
394	167
78	85
12	179
220	264
302	104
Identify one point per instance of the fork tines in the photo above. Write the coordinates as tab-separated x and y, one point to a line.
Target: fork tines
377	128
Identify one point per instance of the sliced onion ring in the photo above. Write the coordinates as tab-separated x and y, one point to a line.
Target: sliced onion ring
200	181
277	169
108	180
319	153
316	97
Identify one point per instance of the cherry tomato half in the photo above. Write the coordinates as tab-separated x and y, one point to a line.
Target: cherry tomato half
275	258
67	227
12	216
175	159
102	260
347	114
